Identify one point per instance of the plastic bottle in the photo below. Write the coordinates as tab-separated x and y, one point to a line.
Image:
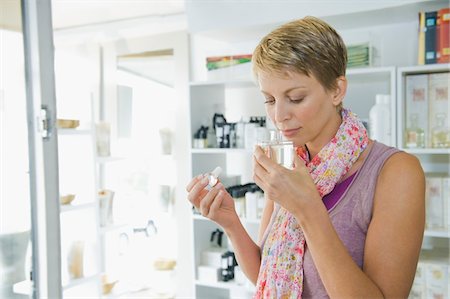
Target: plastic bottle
380	119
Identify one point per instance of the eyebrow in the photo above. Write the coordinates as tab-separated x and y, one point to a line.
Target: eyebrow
287	91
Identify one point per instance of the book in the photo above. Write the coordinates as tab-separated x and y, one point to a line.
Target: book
416	116
421	50
443	38
217	62
439	109
434	203
430	37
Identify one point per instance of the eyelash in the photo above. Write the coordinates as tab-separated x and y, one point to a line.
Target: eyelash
295	101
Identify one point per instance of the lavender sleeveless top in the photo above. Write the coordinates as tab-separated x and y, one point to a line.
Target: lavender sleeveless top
350	208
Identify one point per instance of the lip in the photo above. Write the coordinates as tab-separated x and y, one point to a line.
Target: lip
290	132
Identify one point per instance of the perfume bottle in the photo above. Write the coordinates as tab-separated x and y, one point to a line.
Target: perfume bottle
213	176
415	136
440	134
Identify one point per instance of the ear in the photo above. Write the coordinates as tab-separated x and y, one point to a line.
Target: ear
340	91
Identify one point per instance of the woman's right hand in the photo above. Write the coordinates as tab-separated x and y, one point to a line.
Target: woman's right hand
215	204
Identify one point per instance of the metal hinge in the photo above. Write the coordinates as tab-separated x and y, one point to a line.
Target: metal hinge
45	123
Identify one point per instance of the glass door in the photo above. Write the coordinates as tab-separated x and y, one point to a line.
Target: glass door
15	213
29	215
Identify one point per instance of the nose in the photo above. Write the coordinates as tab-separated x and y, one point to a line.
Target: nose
281	111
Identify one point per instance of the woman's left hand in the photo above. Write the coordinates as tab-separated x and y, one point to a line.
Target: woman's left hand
292	189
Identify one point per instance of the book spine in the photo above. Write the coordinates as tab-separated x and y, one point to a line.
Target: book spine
421	50
430	37
443	23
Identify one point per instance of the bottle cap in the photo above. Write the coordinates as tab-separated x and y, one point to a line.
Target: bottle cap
382	98
216	172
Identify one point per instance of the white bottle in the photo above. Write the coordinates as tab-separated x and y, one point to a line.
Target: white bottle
380	119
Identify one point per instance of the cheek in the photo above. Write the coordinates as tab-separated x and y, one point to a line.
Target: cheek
270	113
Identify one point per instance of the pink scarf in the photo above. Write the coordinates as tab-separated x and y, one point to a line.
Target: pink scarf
281	271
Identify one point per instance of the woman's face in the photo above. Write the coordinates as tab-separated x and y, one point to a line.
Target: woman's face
301	107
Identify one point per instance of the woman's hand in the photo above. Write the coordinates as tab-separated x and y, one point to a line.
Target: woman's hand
215	204
292	189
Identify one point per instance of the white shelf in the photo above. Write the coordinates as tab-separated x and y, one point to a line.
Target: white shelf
23	287
75	207
370	70
109	159
425	69
76	282
110	228
437	233
234	82
219	284
427	151
74	131
220	150
243	220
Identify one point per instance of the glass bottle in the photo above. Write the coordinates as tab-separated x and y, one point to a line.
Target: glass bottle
440	134
415	136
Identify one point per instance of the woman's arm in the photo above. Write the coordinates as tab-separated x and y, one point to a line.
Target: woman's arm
218	205
265	218
393	239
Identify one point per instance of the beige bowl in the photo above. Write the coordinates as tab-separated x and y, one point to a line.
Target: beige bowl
67	123
164	264
66	199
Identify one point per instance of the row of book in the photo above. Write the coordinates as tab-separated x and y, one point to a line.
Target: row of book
437	197
432	279
427	113
434	36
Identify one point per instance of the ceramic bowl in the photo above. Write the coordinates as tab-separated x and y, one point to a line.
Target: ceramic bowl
66	199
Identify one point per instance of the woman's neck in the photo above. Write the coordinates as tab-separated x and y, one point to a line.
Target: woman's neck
329	131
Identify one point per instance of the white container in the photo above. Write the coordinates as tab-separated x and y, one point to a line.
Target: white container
380	119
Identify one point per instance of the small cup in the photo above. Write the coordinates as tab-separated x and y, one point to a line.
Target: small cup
280	151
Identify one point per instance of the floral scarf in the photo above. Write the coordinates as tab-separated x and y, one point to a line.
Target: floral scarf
281	271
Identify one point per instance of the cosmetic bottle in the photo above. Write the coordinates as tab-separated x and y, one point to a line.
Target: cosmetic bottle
440	134
415	136
213	176
380	119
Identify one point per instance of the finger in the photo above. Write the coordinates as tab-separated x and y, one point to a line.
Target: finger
206	202
268	164
217	202
259	172
193	182
198	192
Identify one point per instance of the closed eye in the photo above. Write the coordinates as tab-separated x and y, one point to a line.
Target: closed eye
269	101
296	100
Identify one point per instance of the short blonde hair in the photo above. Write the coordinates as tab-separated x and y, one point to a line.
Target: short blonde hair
306	46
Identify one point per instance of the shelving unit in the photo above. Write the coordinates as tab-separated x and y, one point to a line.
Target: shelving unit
77	156
433	160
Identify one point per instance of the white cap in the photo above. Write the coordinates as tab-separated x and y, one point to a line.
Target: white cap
216	172
382	98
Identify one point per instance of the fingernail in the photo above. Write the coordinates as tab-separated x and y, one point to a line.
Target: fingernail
218	185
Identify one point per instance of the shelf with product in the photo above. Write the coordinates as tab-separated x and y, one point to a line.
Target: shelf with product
78	187
392	56
424	131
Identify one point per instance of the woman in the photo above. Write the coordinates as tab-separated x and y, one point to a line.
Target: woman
342	223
